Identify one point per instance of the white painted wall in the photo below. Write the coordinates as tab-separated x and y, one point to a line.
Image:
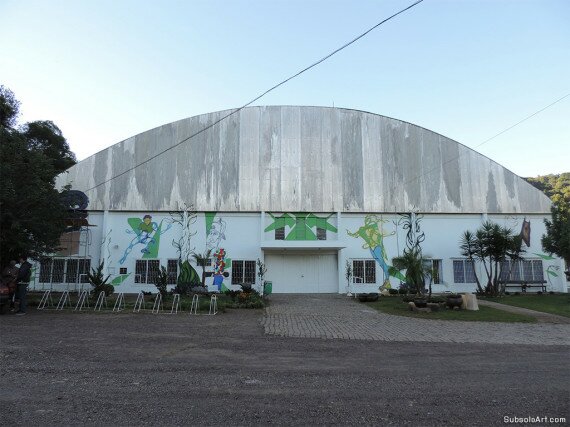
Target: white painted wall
244	238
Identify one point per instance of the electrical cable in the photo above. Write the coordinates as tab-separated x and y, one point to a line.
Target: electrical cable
234	111
487	140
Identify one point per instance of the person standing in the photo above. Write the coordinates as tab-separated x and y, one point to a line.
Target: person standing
24	275
9	278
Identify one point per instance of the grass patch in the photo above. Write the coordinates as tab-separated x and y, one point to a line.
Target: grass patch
395	305
555	304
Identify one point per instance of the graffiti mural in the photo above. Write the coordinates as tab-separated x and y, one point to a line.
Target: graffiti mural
147	234
215	231
373	235
300	226
525	232
185	218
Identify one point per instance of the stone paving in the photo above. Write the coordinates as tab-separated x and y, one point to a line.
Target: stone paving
340	317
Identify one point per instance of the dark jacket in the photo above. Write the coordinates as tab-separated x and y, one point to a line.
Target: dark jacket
25	272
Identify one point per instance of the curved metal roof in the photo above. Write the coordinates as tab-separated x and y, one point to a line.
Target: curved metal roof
291	158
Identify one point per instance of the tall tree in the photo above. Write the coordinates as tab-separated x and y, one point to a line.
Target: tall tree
557	237
31	217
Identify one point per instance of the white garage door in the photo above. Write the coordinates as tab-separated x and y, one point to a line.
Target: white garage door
302	273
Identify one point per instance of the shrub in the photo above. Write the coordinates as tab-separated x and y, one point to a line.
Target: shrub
393	291
99	282
161	282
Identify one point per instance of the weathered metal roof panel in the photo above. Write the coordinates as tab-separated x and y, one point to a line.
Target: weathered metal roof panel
291	158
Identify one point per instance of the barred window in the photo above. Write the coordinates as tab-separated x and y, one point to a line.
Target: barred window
436	270
522	271
321	233
64	270
243	272
280	233
146	270
364	270
464	271
172	271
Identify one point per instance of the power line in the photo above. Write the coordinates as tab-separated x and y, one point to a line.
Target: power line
334	52
489	139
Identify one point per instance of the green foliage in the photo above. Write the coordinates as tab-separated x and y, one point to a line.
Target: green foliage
31	220
261	270
161	282
9	108
490	245
240	299
557	187
417	268
557	237
98	280
202	260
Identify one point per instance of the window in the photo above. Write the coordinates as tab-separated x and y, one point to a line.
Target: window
123	270
146	270
463	271
280	233
436	268
321	233
364	271
522	271
243	272
172	271
64	270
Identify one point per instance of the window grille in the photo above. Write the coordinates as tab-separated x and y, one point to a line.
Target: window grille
64	270
463	271
436	270
243	272
321	234
280	233
522	270
364	271
146	271
172	270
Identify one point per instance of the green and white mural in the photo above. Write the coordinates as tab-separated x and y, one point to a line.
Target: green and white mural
373	235
300	226
147	235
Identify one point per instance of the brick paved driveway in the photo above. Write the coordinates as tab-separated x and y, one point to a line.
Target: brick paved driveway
333	316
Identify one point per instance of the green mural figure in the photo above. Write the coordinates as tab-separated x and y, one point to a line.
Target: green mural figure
147	233
300	225
373	235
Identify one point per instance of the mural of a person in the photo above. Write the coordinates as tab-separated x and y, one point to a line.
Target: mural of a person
147	232
219	268
373	235
216	234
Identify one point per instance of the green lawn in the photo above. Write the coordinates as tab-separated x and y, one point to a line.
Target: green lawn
395	305
554	304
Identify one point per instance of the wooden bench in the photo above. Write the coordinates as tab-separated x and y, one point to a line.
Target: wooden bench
525	284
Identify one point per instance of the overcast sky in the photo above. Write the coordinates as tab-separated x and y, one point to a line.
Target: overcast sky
105	70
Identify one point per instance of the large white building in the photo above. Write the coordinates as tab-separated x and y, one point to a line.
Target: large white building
306	190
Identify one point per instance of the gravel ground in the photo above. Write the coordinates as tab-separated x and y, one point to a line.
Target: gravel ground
143	369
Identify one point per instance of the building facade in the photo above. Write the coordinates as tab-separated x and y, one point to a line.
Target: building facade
305	190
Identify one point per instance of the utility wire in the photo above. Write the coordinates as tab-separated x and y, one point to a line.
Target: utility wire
334	52
489	139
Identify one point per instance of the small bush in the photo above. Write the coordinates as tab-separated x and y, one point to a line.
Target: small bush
539	293
393	291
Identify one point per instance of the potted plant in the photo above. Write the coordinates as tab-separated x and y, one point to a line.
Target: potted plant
454	300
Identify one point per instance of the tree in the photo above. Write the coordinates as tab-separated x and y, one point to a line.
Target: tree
46	138
557	237
203	261
491	244
416	266
31	219
9	108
